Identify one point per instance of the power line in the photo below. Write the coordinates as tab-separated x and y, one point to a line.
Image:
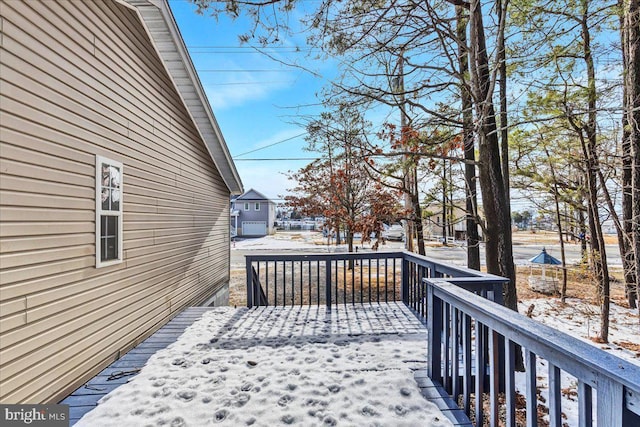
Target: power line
270	145
250	83
277	159
253	47
237	52
245	71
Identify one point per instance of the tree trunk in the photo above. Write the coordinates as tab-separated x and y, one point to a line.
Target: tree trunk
631	51
625	243
473	238
418	226
502	78
349	237
498	239
445	216
410	171
582	226
590	146
563	288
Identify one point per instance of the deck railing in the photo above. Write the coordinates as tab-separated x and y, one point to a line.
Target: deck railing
355	278
473	339
467	332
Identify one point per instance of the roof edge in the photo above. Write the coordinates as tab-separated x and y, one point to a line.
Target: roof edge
161	26
259	194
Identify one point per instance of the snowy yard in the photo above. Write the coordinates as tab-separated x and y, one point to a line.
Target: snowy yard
581	320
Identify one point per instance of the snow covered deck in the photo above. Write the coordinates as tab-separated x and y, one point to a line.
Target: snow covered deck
352	365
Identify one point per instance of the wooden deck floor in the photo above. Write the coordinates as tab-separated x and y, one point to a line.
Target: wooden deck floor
122	370
85	398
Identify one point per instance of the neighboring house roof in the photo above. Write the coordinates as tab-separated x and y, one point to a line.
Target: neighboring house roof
165	36
252	194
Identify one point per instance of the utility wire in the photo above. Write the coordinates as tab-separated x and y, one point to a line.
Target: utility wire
244	71
276	159
255	48
270	145
250	83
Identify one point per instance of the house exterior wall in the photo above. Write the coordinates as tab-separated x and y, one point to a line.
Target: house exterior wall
81	79
252	214
267	213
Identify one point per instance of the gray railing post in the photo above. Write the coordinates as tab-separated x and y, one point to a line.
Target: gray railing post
327	283
498	293
405	280
249	283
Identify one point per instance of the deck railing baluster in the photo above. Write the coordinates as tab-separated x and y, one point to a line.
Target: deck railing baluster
510	383
555	408
266	280
301	279
494	375
318	280
327	284
480	372
467	363
293	283
309	282
344	282
530	392
585	405
353	286
455	357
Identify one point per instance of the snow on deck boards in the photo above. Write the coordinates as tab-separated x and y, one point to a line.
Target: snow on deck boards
86	397
353	365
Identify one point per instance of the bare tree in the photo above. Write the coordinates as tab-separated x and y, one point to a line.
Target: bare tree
631	142
337	186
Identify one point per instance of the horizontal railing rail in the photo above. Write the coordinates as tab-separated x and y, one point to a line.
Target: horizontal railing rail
473	344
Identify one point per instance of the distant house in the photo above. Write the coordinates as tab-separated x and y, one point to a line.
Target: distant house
253	214
453	223
115	186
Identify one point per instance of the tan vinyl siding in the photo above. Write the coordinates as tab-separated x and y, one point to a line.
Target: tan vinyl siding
80	79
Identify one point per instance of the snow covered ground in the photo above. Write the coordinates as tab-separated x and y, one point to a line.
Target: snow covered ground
304	240
282	366
581	320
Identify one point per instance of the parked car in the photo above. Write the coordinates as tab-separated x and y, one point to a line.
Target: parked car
393	232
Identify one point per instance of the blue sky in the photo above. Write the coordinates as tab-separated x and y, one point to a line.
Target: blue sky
256	100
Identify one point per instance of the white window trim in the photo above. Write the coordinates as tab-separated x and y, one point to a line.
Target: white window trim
247	206
100	212
256	206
